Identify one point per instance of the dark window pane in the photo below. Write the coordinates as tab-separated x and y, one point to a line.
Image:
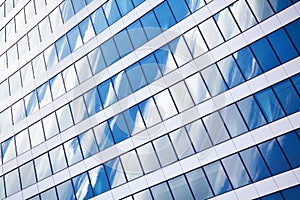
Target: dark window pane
164	16
136	77
123	43
118	128
180	188
124	6
161	191
279	5
110	52
136	34
290	145
296	82
96	60
62	47
179	9
78	5
150	68
107	93
294	31
291	193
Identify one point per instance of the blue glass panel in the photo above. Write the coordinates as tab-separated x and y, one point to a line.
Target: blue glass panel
62	47
88	143
291	193
296	81
247	63
274	157
103	136
134	120
49	194
92	101
217	178
233	120
165	59
164	16
99	180
31	103
161	191
137	2
230	72
8	150
275	196
96	60
137	34
282	45
99	20
65	191
115	172
150	68
136	77
294	31
180	188
199	184
213	80
118	128
269	104
107	93
110	52
149	112
66	9
111	11
261	9
50	60
288	96
279	5
251	113
73	151
255	164
236	171
86	29
179	9
78	5
74	38
124	6
82	187
150	25
195	4
264	54
290	145
58	159
123	43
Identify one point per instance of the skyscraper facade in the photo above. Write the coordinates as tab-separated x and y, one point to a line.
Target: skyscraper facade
149	99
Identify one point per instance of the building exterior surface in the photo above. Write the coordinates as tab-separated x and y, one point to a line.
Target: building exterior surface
149	99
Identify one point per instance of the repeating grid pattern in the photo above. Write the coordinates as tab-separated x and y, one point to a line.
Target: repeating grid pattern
265	106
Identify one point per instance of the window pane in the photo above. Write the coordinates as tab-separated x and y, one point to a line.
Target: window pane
124	6
36	134
42	167
118	128
261	9
293	31
44	95
103	136
179	9
5	119
26	75
98	20
86	29
195	42
161	191
165	104
49	194
27	174
107	93
111	11
82	186
164	150
65	191
57	158
166	60
31	103
143	195
22	142
64	118
290	145
12	182
55	19
121	85
78	5
181	96
15	83
180	188
34	38
241	11
136	34
23	46
149	112
150	25
136	77
123	43
295	79
18	111
2	188
211	33
50	56
62	47
74	38
78	110
57	86
134	120
88	143
150	68
291	193
92	101
181	143
180	51
66	9
73	151
99	180
131	165
110	52
148	158
45	29
164	16
96	60
279	5
114	172
8	150
4	90
70	78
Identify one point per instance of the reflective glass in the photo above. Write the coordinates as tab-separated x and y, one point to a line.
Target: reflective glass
103	136
261	9
42	167
274	157
247	63
27	174
291	193
233	120
136	77
4	90
118	128
123	43
31	103
164	150
150	25
149	112
114	172
137	2
34	38
213	80
290	145
99	180
86	29
62	47
293	31
180	51
274	196
134	120
12	56
150	68
8	150
181	96
78	5
287	96
26	75
282	45
22	142
57	158
18	111
295	80
131	165
50	56
65	191
88	143
195	42
12	182
36	134
180	188
55	19
92	101
230	71
39	5
124	6
148	158
78	110
29	11
136	34
111	11
38	65
3	60
98	20
45	29
211	33
251	113
143	195
181	143
110	52
44	95
161	191
217	178
57	86
96	60
82	186
5	119
279	5
164	16
199	184
23	46
15	83
165	104
216	128
70	78
255	164
236	171
2	188
121	85
226	24
50	125
107	93
10	30
66	9
74	38
64	118
73	151
264	54
179	9
49	194
165	59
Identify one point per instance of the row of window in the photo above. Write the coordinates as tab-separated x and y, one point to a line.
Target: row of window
287	194
228	72
6	7
251	165
136	35
210	130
